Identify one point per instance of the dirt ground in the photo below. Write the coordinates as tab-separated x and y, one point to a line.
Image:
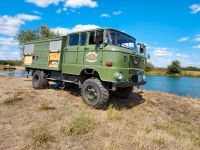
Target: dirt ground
59	119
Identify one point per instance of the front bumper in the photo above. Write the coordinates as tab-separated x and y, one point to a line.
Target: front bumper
128	83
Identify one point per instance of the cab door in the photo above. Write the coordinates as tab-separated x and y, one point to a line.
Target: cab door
70	54
93	51
71	49
81	48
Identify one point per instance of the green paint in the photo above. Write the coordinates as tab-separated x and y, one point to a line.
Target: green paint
73	59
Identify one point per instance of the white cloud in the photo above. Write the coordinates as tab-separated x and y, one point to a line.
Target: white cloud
15	55
197	38
43	3
196	46
64	31
81	3
162	52
183	39
8	41
105	15
9	25
37	12
2	55
10	55
117	12
195	8
61	31
4	48
84	27
59	11
68	3
181	55
25	17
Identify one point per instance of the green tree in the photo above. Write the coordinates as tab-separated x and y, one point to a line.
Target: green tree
149	66
28	35
45	32
174	67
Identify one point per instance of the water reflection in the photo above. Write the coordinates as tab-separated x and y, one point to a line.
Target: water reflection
12	72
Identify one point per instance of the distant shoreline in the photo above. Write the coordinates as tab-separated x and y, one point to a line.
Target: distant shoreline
4	67
195	74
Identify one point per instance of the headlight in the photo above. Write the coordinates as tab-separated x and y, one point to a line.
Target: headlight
144	77
141	77
119	76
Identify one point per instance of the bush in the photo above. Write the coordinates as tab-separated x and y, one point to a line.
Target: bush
40	135
149	67
174	67
80	125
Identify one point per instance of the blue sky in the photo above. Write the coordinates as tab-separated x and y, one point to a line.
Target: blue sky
170	28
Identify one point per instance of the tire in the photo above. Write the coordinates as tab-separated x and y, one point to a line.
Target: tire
95	94
123	92
39	80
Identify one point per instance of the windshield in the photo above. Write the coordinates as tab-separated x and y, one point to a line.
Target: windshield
121	39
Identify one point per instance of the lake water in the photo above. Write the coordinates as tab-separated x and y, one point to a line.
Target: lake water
184	86
15	73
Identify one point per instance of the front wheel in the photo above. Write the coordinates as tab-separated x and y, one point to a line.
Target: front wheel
95	94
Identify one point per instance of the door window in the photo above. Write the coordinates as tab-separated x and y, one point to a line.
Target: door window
73	40
92	34
91	40
83	39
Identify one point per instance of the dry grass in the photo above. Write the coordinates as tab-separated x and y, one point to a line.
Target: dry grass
79	126
40	135
191	73
46	105
146	120
113	114
13	99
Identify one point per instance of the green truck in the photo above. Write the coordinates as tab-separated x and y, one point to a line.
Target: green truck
100	61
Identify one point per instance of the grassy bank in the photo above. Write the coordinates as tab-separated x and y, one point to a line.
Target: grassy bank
3	67
52	119
183	73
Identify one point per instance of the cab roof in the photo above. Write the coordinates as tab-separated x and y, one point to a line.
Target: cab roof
61	37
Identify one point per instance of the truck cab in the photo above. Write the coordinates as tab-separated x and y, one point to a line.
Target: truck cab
100	61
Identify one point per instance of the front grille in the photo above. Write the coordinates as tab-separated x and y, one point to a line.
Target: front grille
135	62
134	78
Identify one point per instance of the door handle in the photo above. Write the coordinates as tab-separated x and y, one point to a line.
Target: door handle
86	48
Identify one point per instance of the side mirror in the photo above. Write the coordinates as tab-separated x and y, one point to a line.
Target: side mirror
148	56
105	42
98	37
142	48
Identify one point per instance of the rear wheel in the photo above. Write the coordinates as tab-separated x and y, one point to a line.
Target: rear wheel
39	80
95	94
123	92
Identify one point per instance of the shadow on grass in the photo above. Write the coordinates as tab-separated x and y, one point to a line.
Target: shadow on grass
133	100
70	87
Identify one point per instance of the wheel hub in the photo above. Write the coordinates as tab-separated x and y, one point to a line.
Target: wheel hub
92	94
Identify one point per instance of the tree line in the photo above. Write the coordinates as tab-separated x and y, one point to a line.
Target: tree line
11	62
173	68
